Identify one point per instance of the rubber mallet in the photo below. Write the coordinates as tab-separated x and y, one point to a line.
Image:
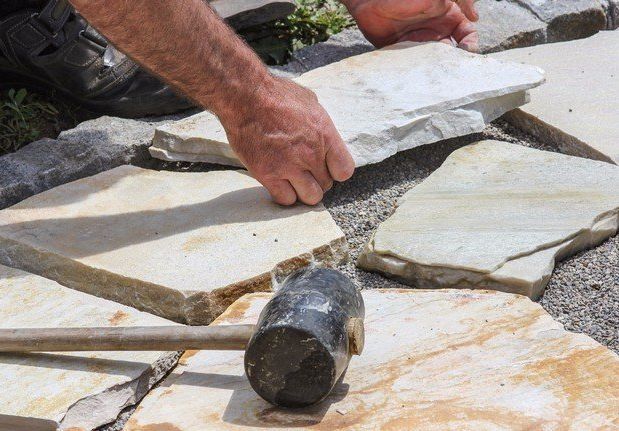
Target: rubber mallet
294	356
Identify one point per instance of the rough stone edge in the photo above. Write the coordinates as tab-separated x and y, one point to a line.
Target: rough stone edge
204	308
565	143
556	27
194	309
572	20
425	276
171	156
138	389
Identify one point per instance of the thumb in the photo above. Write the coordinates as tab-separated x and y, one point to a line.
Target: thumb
339	161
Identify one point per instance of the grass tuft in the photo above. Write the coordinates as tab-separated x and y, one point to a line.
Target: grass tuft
314	21
23	117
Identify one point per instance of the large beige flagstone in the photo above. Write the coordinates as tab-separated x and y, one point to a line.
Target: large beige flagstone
179	245
496	216
383	102
433	360
577	109
69	391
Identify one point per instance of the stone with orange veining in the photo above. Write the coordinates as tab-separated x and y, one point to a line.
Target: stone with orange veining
433	361
69	390
496	216
179	245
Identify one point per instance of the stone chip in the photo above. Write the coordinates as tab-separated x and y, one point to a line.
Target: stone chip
433	360
182	246
382	102
50	391
496	216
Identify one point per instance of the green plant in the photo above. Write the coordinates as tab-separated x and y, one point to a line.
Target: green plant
23	117
313	21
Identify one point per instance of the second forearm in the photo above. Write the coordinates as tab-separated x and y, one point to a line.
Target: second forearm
186	44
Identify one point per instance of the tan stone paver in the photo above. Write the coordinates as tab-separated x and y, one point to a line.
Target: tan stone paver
433	360
179	245
496	216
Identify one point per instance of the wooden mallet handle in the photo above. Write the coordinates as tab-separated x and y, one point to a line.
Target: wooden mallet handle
158	338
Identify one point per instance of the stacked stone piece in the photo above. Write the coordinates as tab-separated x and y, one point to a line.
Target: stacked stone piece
375	107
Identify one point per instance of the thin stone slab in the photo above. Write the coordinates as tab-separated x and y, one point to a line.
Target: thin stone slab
568	20
383	102
496	216
506	25
179	245
577	108
69	391
241	14
433	360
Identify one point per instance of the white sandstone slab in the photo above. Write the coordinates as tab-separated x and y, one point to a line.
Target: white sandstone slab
383	102
180	245
496	216
69	391
578	107
433	361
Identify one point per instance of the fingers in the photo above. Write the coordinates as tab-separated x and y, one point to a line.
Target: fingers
307	188
339	161
281	191
322	176
466	36
468	8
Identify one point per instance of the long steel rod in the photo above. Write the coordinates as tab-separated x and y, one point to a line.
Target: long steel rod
224	337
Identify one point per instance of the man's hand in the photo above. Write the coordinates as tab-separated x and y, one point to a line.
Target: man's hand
277	128
385	22
288	142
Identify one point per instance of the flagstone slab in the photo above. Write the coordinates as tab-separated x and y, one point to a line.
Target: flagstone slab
50	391
577	108
382	102
496	216
433	360
241	14
506	25
182	246
568	19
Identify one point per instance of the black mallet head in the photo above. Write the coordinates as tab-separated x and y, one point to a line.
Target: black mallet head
305	337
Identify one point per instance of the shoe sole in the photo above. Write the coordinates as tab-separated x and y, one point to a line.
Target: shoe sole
120	108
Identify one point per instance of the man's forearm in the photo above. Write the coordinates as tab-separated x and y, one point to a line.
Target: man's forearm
186	44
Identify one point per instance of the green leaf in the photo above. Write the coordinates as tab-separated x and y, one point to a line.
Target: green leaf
20	96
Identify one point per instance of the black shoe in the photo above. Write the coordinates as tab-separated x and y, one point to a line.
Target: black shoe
55	48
